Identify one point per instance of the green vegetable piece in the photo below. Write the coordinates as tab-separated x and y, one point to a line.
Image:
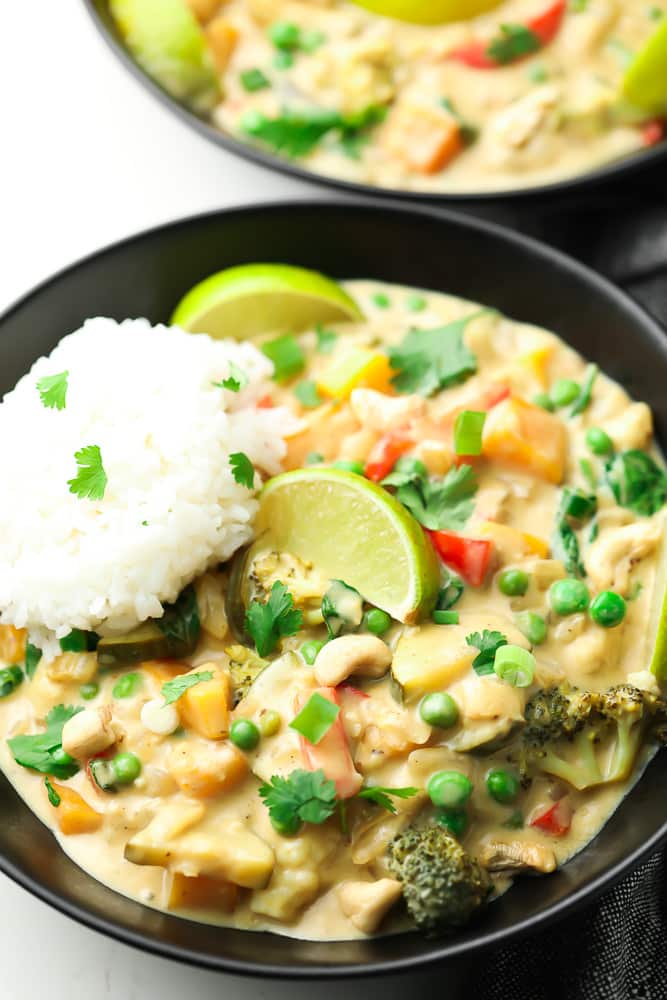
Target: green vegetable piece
316	718
311	40
415	303
514	821
310	649
90	482
342	607
75	642
287	356
267	623
439	709
502	785
172	690
103	774
381	300
455	821
377	621
588	473
564	542
382	796
607	609
544	401
301	797
244	734
89	691
270	722
326	339
514	41
10	678
347	465
578	505
468	428
450	592
599	441
307	394
449	789
253	80
564	391
513	582
235	381
583	398
488	644
43	751
445	617
314	458
637	482
567	597
174	636
297	132
32	657
533	626
515	666
283	59
440	505
429	360
243	470
52	794
285	35
126	686
537	73
127	767
53	390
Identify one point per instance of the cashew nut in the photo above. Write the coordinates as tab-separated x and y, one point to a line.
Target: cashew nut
611	558
367	903
90	732
379	412
351	654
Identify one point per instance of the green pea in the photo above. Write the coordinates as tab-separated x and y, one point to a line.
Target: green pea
62	758
381	300
541	399
608	609
439	709
377	621
126	685
564	391
285	35
449	789
513	582
455	821
415	303
502	785
244	734
533	626
348	466
126	767
283	60
568	596
599	441
288	827
89	691
269	722
310	649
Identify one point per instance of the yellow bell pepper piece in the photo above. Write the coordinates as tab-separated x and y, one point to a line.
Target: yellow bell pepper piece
12	644
525	436
361	367
512	544
537	363
74	815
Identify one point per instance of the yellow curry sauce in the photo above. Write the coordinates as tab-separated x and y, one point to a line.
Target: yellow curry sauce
196	830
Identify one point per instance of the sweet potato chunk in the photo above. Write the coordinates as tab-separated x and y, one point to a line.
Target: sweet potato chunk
526	437
74	815
205	707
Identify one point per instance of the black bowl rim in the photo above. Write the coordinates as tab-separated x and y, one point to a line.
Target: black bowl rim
623	167
441	951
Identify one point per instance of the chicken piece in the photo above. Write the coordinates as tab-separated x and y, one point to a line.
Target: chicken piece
366	904
378	412
610	559
517	135
91	732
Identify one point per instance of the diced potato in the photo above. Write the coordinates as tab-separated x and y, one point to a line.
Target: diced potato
424	138
358	368
202	892
205	707
430	657
527	437
12	644
512	544
74	815
222	37
204	770
152	845
72	668
289	892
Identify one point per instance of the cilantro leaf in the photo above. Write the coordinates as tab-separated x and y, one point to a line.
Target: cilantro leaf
297	132
326	339
242	469
381	796
32	657
38	751
429	360
307	394
287	356
91	480
180	622
637	481
267	623
235	381
54	798
53	390
440	505
515	41
306	796
488	644
172	690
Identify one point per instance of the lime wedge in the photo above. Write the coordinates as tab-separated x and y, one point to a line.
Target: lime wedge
645	82
429	11
167	42
658	617
245	301
352	530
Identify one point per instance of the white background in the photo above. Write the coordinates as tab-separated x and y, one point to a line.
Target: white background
86	158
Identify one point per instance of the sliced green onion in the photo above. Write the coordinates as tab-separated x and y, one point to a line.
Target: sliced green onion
468	432
315	718
446	617
254	79
10	678
287	356
515	666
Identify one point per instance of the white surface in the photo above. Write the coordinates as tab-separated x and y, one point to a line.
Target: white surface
86	157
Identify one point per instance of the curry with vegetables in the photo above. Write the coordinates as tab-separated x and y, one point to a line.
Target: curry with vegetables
428	673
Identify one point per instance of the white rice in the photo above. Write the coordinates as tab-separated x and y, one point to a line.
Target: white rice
145	396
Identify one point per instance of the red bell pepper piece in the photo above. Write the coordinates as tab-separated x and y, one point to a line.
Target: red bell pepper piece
386	453
653	132
357	692
557	819
544	26
265	402
468	556
332	754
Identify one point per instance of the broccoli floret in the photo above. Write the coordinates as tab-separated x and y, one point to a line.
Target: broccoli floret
245	666
442	885
589	738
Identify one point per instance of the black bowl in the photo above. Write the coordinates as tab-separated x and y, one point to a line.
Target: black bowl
589	183
146	276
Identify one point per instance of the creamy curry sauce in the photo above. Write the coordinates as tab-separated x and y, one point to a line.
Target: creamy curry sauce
390	743
448	126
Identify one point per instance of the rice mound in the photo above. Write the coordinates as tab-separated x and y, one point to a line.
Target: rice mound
171	508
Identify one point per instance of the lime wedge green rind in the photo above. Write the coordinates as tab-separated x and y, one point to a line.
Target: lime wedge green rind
658	618
353	530
429	11
645	82
166	40
252	299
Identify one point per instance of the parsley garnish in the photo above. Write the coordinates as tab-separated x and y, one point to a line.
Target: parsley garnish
297	132
54	798
429	360
242	469
172	690
267	623
307	394
40	752
307	796
235	381
440	505
515	40
381	796
326	339
53	390
91	479
637	482
488	644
